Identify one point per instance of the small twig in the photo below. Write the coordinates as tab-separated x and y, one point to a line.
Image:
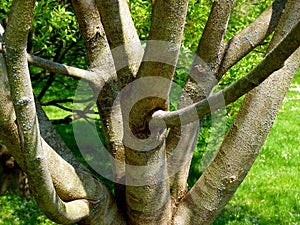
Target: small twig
61	107
68	119
85	111
46	87
68	100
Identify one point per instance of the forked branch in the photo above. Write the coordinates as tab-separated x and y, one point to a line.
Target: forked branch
272	62
124	42
250	37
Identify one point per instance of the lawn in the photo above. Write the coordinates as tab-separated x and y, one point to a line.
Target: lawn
270	194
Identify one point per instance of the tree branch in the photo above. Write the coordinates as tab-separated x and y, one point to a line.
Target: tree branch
124	42
288	19
210	51
94	37
49	82
199	85
203	74
58	68
61	107
159	59
15	40
80	182
127	53
250	37
70	178
272	62
211	45
164	39
237	153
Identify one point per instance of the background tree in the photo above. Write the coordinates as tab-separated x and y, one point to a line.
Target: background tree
151	146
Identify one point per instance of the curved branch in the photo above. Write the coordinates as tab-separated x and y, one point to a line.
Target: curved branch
59	106
70	178
250	37
203	74
272	62
72	181
31	142
236	155
81	184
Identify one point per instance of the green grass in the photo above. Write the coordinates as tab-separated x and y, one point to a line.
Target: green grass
15	210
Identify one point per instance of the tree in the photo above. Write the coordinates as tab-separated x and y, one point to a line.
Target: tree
150	147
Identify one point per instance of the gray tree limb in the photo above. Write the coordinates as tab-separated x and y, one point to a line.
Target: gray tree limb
272	62
32	146
211	45
70	183
58	68
150	203
101	59
250	37
122	36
